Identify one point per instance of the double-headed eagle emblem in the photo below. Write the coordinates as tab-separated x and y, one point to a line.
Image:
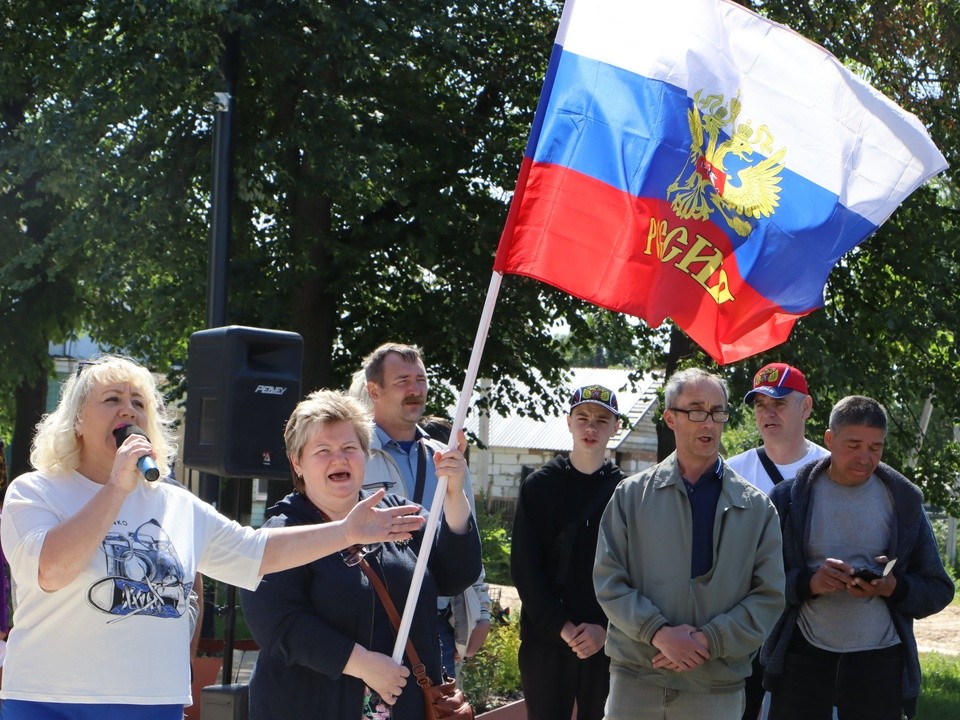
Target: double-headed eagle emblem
705	184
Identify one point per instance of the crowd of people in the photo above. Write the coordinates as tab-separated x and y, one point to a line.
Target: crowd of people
780	583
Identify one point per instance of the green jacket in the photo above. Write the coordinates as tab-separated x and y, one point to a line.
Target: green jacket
642	577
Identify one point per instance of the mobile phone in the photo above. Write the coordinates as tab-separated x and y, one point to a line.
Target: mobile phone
869	574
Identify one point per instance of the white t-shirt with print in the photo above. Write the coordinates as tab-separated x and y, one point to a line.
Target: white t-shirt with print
120	632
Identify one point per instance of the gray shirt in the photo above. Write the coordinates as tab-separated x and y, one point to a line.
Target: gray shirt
854	524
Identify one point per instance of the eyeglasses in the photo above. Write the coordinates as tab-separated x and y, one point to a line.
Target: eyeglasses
354	554
718	416
83	365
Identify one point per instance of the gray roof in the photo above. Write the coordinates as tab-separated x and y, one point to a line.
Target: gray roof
634	400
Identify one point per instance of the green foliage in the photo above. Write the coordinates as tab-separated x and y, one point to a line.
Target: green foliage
741	434
492	677
373	142
375	145
495	529
602	338
940	688
940	532
887	328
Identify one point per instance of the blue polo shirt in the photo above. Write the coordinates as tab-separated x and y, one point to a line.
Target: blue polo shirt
407	456
406	453
703	497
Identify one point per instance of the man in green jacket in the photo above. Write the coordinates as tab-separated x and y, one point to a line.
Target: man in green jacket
689	571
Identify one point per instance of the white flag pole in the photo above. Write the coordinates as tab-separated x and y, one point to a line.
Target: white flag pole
436	508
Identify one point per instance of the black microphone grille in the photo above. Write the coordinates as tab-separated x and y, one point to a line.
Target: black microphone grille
124	431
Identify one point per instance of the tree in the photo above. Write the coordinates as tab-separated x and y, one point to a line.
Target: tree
373	143
376	144
38	292
887	328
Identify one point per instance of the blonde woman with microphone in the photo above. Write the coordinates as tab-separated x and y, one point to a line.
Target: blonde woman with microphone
104	560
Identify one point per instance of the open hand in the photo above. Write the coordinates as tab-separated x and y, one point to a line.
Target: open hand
367	523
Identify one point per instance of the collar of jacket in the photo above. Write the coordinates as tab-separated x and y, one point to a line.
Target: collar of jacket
667	474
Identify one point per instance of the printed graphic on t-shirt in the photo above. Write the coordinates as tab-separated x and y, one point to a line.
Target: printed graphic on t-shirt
144	576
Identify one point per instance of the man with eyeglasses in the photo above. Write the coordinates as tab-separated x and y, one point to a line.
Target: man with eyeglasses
689	570
781	404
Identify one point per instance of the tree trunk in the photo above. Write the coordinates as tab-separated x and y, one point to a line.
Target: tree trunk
31	399
681	347
314	317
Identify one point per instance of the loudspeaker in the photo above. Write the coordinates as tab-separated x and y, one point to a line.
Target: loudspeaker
242	385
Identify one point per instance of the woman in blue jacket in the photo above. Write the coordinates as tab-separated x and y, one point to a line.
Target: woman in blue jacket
324	635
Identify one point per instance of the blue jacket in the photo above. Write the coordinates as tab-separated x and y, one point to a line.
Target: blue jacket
923	586
307	620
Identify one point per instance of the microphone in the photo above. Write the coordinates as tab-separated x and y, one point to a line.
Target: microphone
146	465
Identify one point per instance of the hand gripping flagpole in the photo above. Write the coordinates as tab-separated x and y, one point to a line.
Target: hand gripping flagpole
437	507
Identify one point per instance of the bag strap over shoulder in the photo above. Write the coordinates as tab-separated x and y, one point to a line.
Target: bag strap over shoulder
419	669
769	466
421	472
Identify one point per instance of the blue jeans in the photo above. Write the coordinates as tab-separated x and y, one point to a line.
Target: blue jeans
865	685
448	646
29	710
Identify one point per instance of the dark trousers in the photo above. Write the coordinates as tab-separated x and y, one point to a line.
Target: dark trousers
863	685
753	690
553	677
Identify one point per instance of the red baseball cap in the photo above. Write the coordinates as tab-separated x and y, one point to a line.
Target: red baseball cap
777	380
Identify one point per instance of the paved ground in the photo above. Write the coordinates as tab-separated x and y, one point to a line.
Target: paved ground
940	632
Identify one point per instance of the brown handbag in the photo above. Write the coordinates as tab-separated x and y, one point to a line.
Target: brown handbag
442	702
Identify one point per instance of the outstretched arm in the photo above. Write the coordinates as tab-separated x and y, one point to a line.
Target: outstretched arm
294	546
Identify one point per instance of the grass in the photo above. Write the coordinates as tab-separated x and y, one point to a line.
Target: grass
940	692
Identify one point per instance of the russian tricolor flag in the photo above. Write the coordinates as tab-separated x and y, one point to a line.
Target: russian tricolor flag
693	160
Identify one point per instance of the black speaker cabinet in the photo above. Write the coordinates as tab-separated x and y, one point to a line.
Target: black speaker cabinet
242	385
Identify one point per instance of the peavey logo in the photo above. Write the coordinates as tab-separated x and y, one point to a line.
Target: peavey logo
270	390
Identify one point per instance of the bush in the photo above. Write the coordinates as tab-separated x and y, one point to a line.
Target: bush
492	677
494	528
940	532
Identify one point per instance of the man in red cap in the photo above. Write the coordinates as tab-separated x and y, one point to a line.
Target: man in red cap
781	405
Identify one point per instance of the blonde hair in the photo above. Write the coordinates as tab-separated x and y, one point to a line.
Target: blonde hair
56	445
358	389
321	408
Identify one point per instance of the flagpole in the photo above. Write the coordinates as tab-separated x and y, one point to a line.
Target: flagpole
436	508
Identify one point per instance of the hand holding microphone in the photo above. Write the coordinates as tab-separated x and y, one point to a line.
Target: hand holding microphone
145	464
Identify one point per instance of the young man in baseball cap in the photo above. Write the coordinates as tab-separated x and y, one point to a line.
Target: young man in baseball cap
562	628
